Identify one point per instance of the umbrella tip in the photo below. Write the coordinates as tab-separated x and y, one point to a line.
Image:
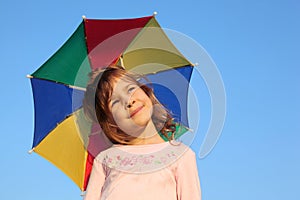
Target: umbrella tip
154	13
29	76
82	194
83	17
196	64
31	150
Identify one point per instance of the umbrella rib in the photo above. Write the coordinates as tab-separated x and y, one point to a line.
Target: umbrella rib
173	68
70	86
76	87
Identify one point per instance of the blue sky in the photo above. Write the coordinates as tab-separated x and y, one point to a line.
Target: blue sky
255	45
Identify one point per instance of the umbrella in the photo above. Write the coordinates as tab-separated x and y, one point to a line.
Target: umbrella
62	135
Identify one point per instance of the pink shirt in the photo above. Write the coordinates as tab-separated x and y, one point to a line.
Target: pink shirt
145	172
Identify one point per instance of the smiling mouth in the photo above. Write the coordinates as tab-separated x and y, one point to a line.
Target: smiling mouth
136	111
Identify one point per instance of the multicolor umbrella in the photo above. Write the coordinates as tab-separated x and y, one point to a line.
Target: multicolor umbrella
62	135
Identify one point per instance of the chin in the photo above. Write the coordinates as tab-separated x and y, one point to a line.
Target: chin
142	123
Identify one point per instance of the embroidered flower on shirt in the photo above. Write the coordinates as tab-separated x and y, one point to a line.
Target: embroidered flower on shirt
141	161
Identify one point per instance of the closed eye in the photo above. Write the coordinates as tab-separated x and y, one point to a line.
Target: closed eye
131	89
114	102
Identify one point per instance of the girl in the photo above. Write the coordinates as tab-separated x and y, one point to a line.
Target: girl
140	165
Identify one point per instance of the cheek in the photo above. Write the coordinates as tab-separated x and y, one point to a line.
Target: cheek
141	95
119	115
115	115
148	101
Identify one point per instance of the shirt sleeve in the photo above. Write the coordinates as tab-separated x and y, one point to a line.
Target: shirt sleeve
187	179
96	181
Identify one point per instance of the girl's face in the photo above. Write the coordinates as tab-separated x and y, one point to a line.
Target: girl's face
130	106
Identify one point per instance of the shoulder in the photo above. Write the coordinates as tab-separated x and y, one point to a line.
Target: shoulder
182	149
188	156
184	156
186	152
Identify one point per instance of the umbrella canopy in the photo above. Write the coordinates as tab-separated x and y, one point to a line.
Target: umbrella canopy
62	134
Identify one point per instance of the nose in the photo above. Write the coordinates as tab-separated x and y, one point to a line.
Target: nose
130	103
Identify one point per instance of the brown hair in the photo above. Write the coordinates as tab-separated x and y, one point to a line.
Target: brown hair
98	95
